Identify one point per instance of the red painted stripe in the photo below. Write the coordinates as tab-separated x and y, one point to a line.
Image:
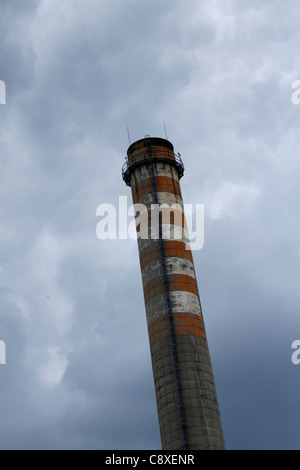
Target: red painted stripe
177	282
164	184
185	323
173	248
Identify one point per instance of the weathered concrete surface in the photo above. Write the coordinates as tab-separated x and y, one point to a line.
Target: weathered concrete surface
186	397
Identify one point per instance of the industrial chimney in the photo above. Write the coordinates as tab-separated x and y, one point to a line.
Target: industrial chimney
187	405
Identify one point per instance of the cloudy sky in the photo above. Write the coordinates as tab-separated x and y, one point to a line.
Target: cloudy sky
72	316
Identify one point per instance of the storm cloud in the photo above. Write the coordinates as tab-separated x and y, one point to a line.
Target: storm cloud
72	315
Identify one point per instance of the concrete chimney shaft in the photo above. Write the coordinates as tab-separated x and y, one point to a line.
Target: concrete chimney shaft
186	397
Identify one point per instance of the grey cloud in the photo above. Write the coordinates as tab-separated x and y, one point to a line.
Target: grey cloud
71	310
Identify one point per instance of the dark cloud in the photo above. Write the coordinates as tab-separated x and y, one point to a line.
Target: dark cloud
78	371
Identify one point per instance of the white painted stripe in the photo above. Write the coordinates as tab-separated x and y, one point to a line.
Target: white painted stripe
161	169
174	265
181	301
163	198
